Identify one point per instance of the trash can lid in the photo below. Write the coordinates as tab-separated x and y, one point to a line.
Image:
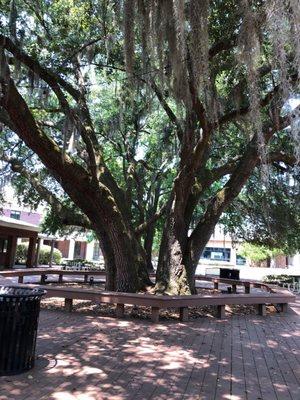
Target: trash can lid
15	291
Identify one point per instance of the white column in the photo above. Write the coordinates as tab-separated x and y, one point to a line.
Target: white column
295	261
71	249
233	256
89	250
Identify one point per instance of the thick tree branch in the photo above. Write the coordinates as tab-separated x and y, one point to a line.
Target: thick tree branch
56	82
145	225
230	190
51	78
5	120
86	128
223	45
167	109
232	115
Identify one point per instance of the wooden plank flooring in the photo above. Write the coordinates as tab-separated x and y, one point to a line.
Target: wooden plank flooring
91	357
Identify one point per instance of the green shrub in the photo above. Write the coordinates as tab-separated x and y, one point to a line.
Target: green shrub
278	279
21	253
45	255
257	253
44	258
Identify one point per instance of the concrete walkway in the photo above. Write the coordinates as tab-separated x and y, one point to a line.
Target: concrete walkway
88	357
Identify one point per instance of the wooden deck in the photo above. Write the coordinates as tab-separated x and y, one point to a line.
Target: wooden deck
90	357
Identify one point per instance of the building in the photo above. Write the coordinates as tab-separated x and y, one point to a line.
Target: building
10	231
74	246
221	250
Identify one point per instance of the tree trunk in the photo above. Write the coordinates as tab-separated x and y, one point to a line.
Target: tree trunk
174	272
148	245
179	255
109	260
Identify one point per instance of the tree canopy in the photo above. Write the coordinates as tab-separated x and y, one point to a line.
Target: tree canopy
141	116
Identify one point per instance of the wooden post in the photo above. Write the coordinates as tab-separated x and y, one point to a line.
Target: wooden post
11	252
261	308
68	305
20	279
184	314
221	311
247	288
120	310
31	252
233	288
51	253
43	279
60	278
86	277
154	314
216	285
38	248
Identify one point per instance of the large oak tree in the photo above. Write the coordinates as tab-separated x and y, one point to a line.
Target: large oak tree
221	71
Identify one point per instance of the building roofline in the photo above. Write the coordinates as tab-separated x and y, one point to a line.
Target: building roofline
17	224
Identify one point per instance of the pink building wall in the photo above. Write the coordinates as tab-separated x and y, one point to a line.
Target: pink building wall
30	217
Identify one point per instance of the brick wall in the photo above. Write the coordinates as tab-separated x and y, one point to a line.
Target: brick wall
63	246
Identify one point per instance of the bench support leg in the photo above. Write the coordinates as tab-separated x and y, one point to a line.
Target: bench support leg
86	277
20	279
120	310
184	314
154	314
68	305
233	288
283	307
60	278
221	311
43	279
261	308
216	285
247	289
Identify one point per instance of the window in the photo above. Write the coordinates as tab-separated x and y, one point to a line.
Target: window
240	260
77	250
217	254
3	245
96	251
15	214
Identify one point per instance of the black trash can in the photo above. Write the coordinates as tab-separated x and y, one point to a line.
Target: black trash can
19	313
229	273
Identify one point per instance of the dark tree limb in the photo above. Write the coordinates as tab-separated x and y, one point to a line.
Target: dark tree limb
50	77
145	225
231	189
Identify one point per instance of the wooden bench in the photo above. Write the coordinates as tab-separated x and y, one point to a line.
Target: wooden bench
278	297
43	272
247	284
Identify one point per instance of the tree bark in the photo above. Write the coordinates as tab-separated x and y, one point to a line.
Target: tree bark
148	245
174	269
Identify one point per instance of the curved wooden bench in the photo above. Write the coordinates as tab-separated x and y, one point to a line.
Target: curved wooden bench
43	272
277	297
234	283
